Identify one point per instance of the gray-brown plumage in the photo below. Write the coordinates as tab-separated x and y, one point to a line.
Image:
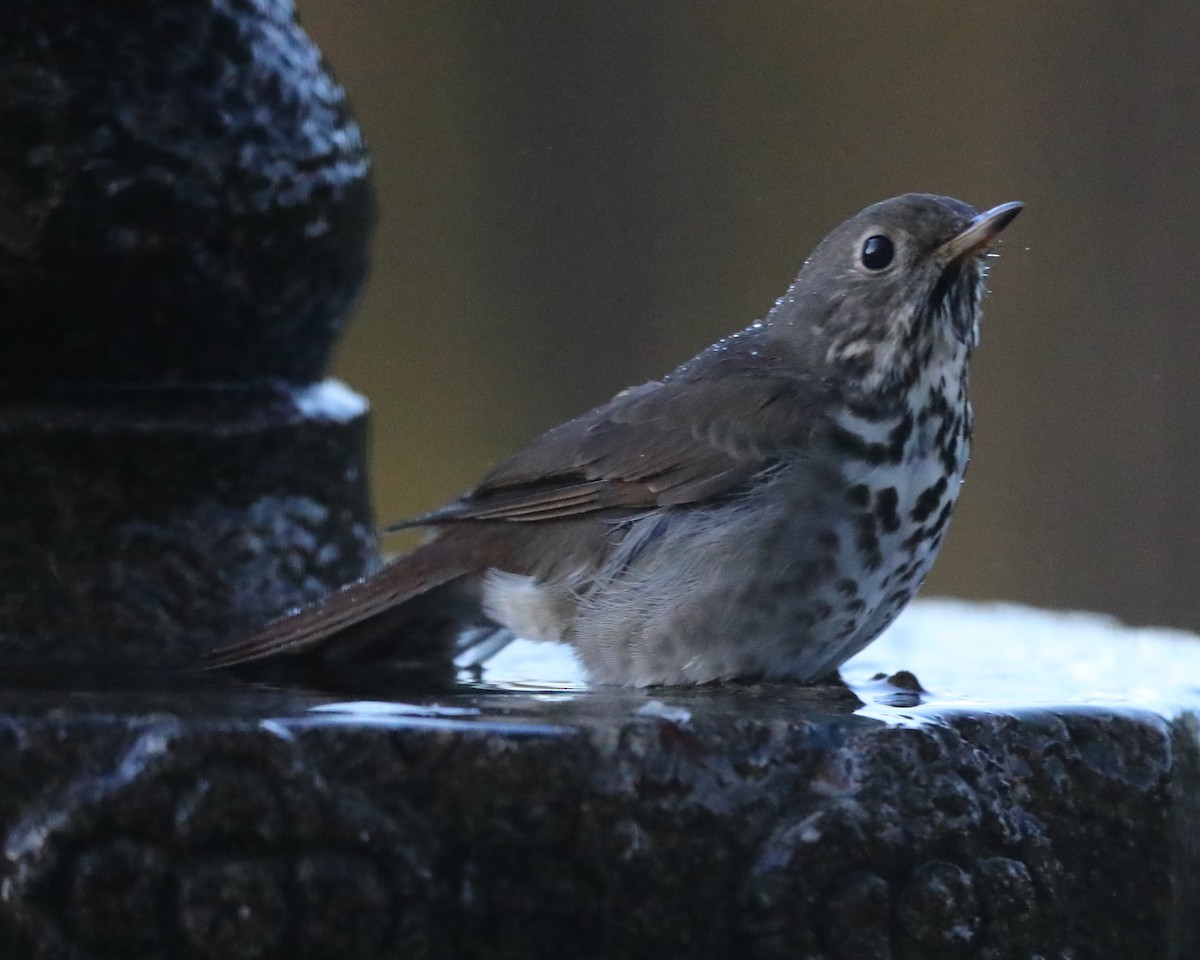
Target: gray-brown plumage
765	510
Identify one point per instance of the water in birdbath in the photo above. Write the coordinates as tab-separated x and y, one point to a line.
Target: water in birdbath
947	653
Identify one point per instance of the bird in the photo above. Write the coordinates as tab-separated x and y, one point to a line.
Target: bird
762	512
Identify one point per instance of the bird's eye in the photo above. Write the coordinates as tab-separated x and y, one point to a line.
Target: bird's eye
877	252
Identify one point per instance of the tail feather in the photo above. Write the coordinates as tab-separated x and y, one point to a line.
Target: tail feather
426	568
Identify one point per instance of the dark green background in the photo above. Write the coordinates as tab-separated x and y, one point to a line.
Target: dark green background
576	196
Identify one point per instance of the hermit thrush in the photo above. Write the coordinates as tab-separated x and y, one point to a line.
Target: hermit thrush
764	510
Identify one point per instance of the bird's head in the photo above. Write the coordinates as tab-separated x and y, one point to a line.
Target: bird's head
891	286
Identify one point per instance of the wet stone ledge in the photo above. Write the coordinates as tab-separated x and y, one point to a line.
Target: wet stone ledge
1038	798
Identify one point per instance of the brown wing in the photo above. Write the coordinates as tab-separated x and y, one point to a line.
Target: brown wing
665	443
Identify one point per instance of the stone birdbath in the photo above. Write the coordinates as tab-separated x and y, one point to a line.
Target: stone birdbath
184	209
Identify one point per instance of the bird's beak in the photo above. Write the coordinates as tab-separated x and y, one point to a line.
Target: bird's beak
979	233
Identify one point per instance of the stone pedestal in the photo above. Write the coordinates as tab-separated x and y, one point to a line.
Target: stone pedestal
184	195
184	213
141	527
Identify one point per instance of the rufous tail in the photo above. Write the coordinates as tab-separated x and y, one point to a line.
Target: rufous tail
450	556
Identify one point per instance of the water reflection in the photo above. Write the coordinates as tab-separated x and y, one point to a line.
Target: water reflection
940	657
1009	657
943	654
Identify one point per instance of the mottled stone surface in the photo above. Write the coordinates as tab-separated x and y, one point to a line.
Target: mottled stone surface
184	214
388	818
184	195
140	527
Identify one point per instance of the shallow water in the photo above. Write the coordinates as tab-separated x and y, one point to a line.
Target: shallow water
940	655
972	654
1009	657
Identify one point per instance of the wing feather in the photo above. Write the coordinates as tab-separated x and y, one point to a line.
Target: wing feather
687	439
